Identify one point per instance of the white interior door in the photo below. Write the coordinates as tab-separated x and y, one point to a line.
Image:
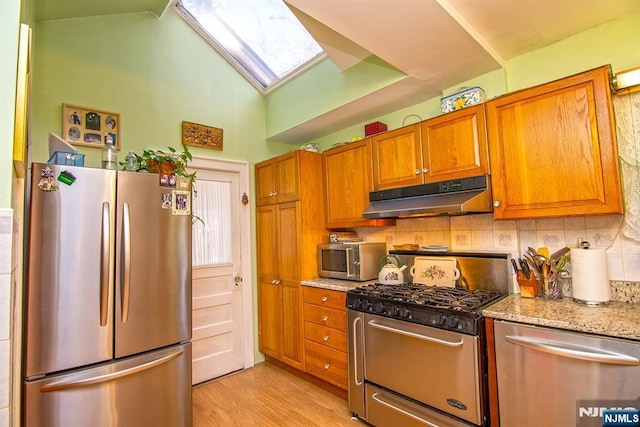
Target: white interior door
219	336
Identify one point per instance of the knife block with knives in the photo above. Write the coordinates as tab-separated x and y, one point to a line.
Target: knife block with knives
528	287
540	273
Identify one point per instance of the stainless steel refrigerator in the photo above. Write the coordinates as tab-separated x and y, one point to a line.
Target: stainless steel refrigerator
108	299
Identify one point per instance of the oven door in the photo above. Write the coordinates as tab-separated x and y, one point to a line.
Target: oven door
433	366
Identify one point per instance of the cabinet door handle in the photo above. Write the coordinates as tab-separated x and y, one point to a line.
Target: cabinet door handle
417	171
275	193
497	203
327	366
325	318
324	298
425	170
325	338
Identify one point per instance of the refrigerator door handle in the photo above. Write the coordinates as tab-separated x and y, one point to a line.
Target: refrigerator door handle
105	257
64	385
126	261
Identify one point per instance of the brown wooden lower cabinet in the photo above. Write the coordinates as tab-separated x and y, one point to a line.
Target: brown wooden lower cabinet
326	363
325	337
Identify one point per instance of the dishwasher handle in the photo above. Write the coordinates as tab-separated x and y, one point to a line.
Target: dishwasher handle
574	353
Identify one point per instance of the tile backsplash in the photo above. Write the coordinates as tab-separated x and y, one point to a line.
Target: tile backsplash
481	233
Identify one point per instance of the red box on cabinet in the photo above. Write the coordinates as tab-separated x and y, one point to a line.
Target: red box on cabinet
373	128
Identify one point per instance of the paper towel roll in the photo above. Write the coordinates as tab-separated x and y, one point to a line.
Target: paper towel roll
590	281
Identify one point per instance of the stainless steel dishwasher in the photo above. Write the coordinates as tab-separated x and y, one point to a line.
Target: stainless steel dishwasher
559	378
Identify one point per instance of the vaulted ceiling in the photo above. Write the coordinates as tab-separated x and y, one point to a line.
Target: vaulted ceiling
436	43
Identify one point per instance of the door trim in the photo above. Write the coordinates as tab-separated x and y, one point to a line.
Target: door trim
242	169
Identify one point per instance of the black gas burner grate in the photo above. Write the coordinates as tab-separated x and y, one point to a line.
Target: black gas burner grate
430	296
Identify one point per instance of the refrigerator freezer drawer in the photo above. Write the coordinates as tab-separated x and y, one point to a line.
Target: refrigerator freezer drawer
153	389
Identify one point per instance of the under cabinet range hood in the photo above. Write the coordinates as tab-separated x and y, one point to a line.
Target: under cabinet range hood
454	197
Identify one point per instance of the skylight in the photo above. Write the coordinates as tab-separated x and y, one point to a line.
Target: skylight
262	38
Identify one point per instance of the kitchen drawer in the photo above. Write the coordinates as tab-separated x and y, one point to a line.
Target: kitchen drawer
326	336
325	297
329	317
326	363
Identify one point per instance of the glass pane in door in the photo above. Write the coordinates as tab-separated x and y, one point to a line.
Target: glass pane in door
212	236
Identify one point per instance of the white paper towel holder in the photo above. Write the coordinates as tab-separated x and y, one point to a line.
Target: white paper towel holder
587	298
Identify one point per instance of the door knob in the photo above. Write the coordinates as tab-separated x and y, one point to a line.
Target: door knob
237	280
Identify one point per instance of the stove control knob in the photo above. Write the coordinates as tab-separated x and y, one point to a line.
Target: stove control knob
441	319
357	303
394	310
379	308
453	321
405	312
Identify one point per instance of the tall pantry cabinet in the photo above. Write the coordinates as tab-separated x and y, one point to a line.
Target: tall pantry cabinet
290	225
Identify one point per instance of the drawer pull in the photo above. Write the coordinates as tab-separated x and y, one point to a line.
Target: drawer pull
325	318
327	366
325	298
325	338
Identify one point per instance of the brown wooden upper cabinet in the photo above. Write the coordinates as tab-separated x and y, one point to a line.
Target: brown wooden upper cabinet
278	179
450	146
454	145
397	158
348	182
553	149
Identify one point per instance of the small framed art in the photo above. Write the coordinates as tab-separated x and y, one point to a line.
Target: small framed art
201	136
90	127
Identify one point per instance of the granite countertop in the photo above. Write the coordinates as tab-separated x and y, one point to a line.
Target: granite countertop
616	319
334	284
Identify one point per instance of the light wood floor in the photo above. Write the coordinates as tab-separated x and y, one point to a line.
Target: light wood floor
266	395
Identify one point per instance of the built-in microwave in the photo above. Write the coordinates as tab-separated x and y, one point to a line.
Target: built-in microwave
357	261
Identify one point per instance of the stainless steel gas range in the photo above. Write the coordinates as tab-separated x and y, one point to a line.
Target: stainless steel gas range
417	353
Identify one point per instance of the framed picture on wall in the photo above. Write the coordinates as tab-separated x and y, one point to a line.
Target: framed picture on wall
198	135
90	127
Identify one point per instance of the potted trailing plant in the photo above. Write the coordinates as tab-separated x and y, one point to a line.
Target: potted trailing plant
168	162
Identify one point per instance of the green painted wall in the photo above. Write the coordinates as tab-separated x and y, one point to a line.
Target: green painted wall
155	73
9	31
614	43
324	88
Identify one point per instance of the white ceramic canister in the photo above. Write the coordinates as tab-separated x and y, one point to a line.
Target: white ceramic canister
590	280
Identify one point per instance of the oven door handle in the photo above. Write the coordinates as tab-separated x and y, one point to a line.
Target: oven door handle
414	335
375	397
574	353
356	353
